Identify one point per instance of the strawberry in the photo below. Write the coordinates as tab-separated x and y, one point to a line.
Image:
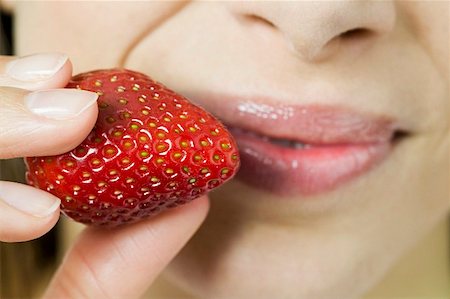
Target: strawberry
150	149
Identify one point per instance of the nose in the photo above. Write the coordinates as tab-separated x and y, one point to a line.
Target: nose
318	30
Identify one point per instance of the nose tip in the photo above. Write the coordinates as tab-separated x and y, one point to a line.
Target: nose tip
316	31
328	29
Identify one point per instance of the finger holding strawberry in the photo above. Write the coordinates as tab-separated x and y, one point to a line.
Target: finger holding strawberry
112	148
34	110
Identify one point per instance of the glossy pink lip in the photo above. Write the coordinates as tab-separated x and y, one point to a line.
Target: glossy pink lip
306	150
309	170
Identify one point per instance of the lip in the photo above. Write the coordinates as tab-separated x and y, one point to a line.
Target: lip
306	150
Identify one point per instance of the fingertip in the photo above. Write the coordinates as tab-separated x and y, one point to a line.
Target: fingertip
63	75
75	129
33	228
35	71
199	208
71	111
17	226
46	122
26	213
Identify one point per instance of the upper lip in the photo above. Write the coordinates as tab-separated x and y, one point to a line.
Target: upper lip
318	124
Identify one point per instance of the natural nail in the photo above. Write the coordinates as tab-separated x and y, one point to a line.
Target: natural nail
35	67
60	104
28	199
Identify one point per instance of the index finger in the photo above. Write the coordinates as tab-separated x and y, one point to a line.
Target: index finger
36	71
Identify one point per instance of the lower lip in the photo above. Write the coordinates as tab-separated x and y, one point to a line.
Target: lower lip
307	171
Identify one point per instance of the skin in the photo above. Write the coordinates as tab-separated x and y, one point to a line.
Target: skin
252	245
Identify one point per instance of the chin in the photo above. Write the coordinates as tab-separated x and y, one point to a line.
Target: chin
263	276
233	258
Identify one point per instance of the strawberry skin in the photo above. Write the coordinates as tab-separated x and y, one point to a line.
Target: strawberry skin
150	149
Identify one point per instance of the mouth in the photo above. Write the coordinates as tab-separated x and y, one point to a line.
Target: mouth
306	150
288	167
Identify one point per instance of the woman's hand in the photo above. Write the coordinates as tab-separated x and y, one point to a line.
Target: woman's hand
123	262
39	118
35	122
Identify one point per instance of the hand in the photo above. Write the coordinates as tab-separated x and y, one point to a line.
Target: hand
39	118
43	122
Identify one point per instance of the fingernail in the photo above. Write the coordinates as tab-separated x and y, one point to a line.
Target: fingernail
28	199
60	104
35	67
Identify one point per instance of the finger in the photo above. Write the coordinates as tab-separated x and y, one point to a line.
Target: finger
37	71
47	122
43	122
26	213
122	263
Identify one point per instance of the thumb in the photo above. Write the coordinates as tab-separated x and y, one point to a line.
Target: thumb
123	262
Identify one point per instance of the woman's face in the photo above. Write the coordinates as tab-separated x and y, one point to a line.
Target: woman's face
341	112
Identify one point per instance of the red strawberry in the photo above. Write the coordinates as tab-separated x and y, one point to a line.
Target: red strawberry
151	149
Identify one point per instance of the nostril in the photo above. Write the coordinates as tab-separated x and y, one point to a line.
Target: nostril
258	20
351	41
356	33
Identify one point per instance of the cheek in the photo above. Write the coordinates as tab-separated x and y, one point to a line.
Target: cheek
93	34
430	23
431	174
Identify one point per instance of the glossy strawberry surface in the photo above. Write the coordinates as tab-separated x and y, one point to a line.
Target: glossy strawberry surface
151	149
